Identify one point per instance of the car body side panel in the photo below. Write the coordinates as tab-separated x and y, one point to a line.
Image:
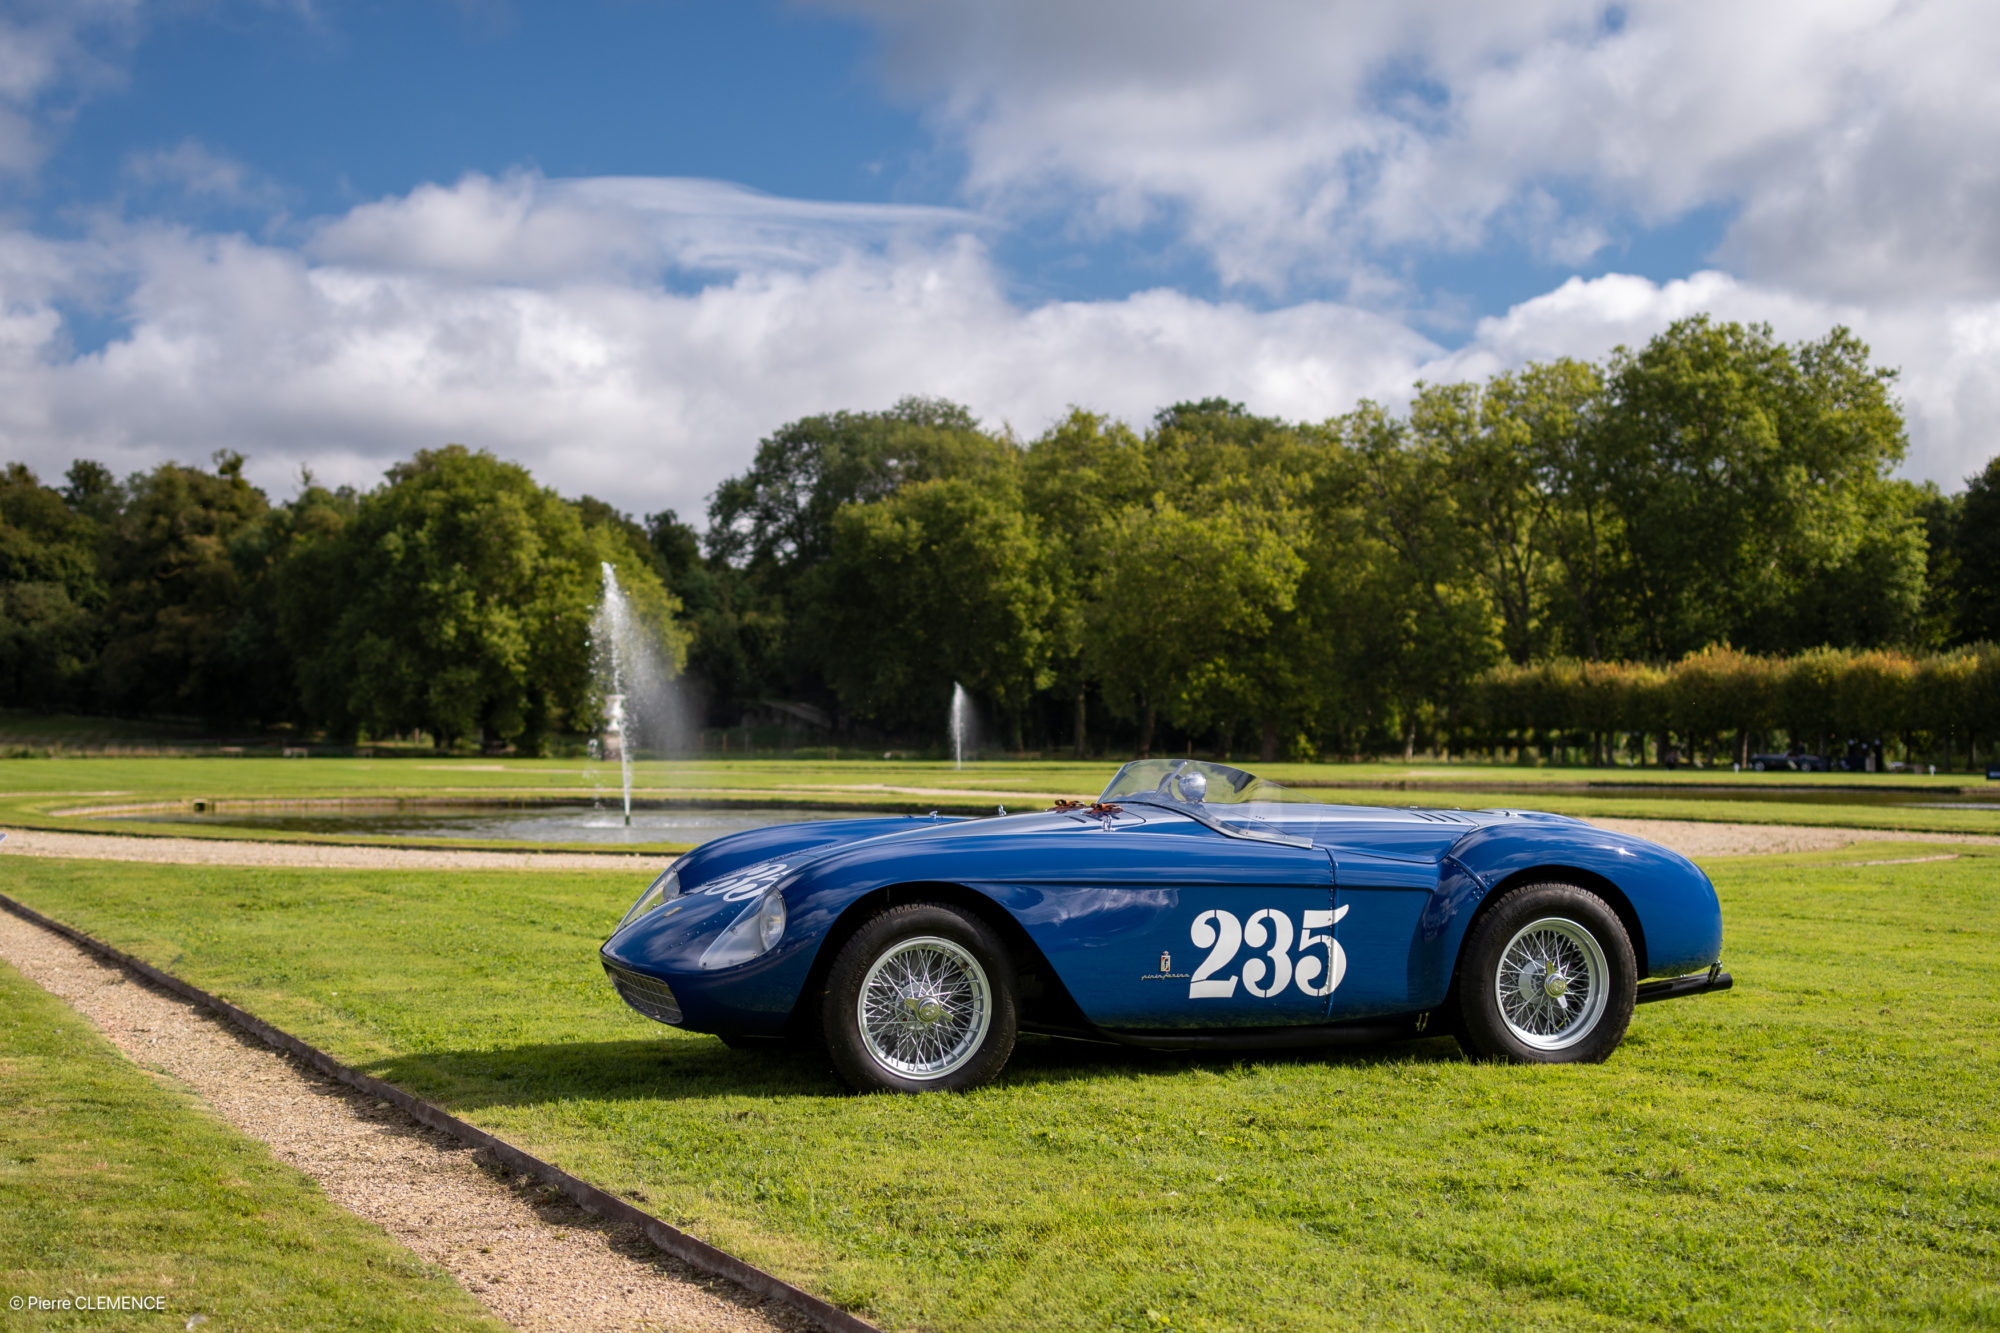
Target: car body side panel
1105	905
1381	900
1130	957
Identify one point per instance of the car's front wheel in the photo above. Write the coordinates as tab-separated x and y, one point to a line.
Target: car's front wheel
920	999
1547	976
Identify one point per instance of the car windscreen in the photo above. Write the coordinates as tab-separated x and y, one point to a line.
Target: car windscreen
1230	800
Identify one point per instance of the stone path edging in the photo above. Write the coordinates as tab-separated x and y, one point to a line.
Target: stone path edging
667	1238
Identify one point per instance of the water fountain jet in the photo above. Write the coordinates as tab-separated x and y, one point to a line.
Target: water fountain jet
614	744
626	668
637	683
961	723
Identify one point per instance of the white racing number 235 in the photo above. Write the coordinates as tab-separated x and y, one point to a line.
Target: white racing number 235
1270	936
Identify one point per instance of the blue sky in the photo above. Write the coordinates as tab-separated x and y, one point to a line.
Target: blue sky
344	104
621	239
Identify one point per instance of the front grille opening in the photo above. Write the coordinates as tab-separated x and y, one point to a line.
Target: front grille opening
651	998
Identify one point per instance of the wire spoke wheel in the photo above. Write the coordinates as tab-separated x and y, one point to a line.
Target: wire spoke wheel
924	1007
1552	983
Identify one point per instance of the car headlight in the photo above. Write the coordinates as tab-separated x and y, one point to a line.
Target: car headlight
662	890
755	931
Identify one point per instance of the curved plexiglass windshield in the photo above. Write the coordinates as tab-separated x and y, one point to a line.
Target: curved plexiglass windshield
1226	798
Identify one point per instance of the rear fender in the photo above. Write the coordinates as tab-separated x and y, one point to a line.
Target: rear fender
1666	902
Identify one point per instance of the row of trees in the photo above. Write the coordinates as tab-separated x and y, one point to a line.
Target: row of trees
1728	704
1219	578
455	599
1338	586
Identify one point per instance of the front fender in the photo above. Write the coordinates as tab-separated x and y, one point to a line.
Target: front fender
819	876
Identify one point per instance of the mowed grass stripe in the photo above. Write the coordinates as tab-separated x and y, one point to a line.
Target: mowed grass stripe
1816	1147
114	1184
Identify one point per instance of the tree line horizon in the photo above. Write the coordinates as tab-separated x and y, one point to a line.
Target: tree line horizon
1554	556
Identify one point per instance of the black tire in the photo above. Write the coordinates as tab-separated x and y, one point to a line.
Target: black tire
1758	766
1504	1015
971	1020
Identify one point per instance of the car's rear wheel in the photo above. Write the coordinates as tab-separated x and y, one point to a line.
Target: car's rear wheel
1547	976
920	999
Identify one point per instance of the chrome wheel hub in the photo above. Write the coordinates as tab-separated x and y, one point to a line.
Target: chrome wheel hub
924	1007
1552	984
1538	981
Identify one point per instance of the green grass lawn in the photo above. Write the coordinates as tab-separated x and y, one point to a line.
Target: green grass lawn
41	792
113	1184
1818	1147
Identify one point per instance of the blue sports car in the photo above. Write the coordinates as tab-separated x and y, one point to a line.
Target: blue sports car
1191	906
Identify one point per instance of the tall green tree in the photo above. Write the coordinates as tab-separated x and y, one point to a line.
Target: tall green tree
1752	479
457	600
307	579
735	622
1074	477
1464	434
1556	411
772	526
1216	457
1181	590
780	512
1434	626
943	581
1975	556
50	594
177	590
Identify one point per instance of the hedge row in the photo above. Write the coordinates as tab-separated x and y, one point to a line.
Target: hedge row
1939	703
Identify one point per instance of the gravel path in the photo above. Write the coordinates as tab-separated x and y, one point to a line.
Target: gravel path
312	856
536	1260
1696	840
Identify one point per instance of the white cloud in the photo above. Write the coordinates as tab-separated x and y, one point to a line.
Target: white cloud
1857	141
199	173
644	389
647	387
524	227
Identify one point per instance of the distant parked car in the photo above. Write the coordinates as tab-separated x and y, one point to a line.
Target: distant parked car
1862	757
1788	763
